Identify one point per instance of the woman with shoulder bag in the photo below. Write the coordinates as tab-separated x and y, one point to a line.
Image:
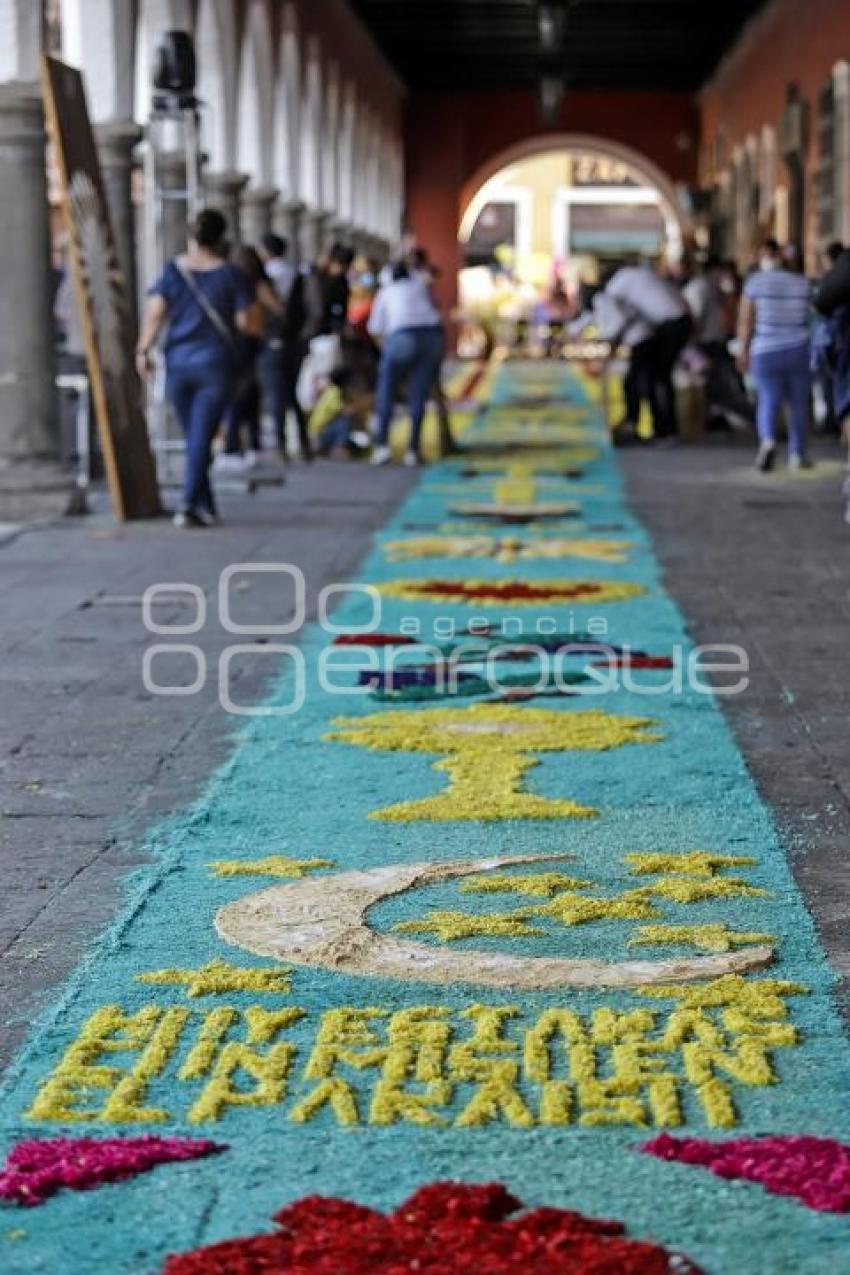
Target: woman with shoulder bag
204	301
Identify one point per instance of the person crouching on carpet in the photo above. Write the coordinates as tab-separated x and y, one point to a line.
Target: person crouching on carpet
337	421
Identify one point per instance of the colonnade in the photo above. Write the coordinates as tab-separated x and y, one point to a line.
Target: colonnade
300	125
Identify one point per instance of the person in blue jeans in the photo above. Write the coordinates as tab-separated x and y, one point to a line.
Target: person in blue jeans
204	302
774	339
244	412
407	325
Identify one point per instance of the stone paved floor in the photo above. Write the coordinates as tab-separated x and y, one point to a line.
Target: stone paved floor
89	760
764	561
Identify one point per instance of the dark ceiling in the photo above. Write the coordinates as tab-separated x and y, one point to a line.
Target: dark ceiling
605	44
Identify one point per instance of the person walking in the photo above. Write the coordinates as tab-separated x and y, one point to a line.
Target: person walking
282	272
327	293
643	294
317	307
727	404
832	301
274	254
421	267
203	301
407	325
244	413
774	343
825	346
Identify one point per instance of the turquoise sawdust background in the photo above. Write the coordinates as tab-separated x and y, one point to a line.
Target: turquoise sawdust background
287	791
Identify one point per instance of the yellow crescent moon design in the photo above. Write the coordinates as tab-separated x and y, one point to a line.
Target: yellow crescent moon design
321	923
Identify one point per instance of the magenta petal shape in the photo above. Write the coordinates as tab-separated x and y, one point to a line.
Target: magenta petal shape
36	1169
814	1170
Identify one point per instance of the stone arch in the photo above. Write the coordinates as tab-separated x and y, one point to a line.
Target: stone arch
21	42
255	137
677	223
217	45
348	117
330	141
360	214
767	173
371	140
745	186
287	132
310	167
398	185
390	210
102	35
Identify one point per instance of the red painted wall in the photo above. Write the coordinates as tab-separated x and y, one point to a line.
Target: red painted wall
792	41
450	137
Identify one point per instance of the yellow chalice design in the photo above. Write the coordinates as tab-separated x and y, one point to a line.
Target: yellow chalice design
489	749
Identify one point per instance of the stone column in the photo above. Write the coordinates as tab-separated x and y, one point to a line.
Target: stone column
257	206
171	166
286	221
313	234
362	243
224	192
380	248
29	432
340	231
841	89
116	141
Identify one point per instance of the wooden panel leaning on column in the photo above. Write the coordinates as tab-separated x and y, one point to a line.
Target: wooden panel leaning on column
101	297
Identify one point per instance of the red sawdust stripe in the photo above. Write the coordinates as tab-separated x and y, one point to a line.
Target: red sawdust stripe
471	384
507	592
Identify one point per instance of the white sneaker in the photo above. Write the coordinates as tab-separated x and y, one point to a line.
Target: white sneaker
250	460
185	519
381	455
411	459
766	456
230	463
796	462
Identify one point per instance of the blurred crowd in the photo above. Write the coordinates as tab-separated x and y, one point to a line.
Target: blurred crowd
324	352
772	344
333	345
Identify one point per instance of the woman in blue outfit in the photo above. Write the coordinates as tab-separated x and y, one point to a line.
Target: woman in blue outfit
204	302
774	339
407	325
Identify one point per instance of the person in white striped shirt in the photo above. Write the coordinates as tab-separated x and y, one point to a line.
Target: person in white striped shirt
774	335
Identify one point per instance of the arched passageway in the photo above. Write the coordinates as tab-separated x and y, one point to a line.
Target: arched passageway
460	141
545	219
619	160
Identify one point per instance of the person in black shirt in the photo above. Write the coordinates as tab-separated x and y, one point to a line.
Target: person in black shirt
318	306
327	293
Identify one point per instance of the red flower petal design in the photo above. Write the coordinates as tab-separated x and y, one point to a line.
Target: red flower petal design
637	661
506	590
443	1229
372	639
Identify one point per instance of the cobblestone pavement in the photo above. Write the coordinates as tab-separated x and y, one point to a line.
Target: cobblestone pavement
89	759
764	561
